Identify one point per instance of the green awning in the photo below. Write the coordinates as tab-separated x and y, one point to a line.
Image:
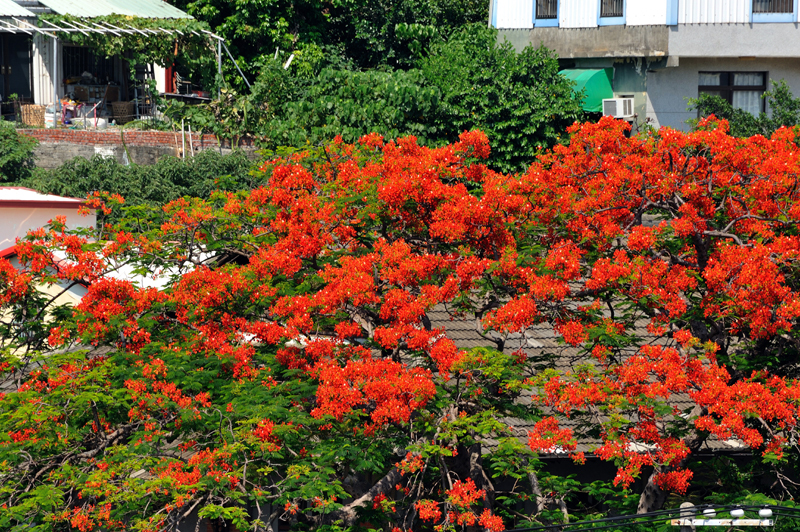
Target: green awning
597	85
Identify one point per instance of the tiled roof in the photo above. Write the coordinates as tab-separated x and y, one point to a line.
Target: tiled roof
545	345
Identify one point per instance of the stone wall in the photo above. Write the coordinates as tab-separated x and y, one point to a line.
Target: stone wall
143	147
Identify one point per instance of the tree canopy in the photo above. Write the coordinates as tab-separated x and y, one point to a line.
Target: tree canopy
279	360
383	32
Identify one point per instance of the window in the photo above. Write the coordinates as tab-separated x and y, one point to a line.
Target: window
611	12
79	59
773	6
611	8
774	10
743	90
545	13
546	9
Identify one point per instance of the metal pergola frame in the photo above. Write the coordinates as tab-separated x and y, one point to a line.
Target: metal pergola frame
87	26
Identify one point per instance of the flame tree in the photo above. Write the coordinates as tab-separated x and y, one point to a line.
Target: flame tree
275	358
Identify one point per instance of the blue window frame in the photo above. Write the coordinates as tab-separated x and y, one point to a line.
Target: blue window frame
611	12
773	10
545	13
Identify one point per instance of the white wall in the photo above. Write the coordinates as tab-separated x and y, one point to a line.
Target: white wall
15	222
577	13
514	14
583	13
646	12
43	70
159	73
713	11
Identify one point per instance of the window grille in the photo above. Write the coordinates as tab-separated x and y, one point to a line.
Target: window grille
546	9
773	6
611	8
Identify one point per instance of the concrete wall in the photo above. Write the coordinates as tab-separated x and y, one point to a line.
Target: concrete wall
143	147
735	40
603	41
668	88
683	40
51	155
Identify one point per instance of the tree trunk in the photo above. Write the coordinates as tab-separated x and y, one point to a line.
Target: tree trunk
652	497
387	483
538	499
478	474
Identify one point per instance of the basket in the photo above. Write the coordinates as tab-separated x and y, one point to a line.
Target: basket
32	115
123	112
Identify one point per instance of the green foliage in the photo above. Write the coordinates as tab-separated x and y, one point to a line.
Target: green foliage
382	32
468	82
784	107
519	100
397	32
16	154
237	115
352	104
169	179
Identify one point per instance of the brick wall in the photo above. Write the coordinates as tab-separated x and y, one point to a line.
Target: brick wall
113	138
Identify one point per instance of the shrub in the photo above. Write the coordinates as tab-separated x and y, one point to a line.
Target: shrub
784	111
352	104
16	154
169	179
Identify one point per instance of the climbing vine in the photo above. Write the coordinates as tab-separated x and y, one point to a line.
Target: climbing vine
145	41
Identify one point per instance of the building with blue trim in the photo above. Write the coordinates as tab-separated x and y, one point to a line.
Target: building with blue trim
663	52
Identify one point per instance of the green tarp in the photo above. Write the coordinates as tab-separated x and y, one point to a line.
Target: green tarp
597	85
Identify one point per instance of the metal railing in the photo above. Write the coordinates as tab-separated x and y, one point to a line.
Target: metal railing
546	9
611	8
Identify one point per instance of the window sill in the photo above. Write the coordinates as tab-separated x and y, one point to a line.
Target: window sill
763	18
610	21
545	23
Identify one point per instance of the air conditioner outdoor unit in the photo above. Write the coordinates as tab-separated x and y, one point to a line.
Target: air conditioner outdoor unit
618	107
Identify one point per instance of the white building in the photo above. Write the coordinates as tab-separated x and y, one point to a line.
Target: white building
22	210
662	52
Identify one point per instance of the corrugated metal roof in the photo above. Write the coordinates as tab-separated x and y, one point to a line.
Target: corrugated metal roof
102	8
9	8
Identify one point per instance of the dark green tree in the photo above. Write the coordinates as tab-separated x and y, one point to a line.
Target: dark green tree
518	99
374	33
